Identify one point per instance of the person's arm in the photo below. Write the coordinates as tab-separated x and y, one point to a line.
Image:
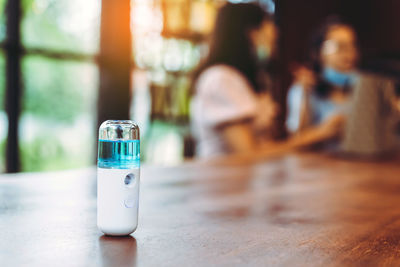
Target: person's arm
299	109
299	100
323	132
305	112
239	137
249	150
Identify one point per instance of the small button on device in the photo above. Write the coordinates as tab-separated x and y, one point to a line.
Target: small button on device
129	203
129	180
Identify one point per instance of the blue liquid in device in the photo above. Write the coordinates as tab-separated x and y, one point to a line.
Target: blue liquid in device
119	154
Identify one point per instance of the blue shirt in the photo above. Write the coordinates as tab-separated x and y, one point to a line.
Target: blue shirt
320	108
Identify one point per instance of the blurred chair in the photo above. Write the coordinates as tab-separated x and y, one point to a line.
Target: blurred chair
370	127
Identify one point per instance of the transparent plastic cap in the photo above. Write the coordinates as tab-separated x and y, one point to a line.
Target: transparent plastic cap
119	145
119	130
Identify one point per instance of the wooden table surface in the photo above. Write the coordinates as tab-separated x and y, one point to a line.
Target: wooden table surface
293	210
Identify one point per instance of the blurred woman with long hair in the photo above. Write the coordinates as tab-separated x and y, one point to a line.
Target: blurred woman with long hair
231	109
322	97
320	93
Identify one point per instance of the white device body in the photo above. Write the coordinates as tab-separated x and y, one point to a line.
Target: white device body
117	200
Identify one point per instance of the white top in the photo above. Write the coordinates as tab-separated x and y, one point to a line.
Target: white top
224	95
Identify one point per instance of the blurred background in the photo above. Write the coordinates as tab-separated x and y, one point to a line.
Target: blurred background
68	65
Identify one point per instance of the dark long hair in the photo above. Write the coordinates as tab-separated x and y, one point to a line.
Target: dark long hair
230	43
323	88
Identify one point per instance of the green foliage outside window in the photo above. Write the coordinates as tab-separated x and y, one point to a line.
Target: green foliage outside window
58	114
61	25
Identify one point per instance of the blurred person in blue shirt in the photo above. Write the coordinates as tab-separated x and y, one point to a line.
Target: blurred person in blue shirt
320	99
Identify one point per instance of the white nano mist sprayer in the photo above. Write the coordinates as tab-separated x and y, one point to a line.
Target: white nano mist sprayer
118	177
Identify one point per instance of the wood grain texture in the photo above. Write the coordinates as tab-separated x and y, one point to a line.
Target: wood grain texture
292	210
